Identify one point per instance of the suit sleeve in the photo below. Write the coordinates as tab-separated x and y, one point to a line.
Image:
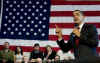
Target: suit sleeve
91	37
65	46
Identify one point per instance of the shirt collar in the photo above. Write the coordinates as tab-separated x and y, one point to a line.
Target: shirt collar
81	25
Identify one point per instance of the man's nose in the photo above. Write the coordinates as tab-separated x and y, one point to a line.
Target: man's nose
75	16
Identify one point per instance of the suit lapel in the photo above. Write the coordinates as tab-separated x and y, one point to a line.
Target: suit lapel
83	28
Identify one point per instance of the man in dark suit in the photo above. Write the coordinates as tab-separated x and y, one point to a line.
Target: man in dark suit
83	40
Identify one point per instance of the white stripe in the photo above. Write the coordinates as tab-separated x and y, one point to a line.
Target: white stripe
66	31
70	19
75	7
30	42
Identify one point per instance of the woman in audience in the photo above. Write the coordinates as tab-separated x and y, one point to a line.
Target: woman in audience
18	57
50	54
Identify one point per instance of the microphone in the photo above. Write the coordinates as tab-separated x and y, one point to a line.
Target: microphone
73	35
75	26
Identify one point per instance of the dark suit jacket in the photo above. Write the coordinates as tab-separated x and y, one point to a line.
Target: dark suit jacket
88	42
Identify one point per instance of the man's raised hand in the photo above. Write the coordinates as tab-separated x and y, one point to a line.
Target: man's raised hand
58	32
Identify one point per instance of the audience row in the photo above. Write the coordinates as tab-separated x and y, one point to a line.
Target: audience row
36	56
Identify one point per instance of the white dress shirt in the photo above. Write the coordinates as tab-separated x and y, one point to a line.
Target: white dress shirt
81	25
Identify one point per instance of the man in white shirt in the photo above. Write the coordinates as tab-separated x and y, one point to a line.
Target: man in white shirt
65	56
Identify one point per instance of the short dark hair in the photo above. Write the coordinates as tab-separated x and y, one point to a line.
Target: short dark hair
37	44
16	52
79	11
7	42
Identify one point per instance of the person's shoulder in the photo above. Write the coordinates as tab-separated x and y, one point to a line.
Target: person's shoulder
54	51
1	51
11	51
41	51
32	51
90	25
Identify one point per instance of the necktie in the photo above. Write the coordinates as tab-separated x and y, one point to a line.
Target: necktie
77	39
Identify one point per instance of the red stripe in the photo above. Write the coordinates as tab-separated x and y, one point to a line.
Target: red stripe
29	48
64	2
65	37
54	37
61	25
69	25
69	13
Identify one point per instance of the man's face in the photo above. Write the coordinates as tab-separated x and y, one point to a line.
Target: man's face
78	17
18	49
36	48
6	45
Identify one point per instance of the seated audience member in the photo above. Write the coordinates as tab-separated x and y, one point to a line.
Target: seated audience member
65	56
25	59
6	55
50	54
18	57
57	58
36	55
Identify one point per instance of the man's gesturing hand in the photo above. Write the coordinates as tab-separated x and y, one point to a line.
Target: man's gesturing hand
76	32
58	32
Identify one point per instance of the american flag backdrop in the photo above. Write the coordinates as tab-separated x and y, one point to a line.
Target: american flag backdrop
25	22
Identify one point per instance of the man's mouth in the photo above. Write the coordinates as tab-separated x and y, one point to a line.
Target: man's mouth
75	19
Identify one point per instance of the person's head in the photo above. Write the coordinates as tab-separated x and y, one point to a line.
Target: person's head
25	59
36	46
18	50
6	45
57	58
78	16
48	48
